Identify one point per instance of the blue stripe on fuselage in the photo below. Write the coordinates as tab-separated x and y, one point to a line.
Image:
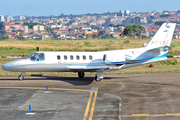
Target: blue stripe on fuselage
122	62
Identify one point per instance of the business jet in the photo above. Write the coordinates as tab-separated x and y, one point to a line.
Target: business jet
99	62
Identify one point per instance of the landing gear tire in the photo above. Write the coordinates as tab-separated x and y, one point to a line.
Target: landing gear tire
98	80
81	74
21	77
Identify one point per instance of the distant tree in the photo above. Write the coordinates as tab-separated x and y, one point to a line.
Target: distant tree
128	21
111	25
32	32
159	23
62	15
152	17
149	20
164	16
87	23
30	25
71	29
95	36
137	20
2	25
106	24
95	27
21	37
2	32
119	25
133	30
112	35
70	22
105	36
118	30
17	23
4	37
101	33
178	11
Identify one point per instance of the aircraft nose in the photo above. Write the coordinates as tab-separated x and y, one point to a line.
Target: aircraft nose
4	67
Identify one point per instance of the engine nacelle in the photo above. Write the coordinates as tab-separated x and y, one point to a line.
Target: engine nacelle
113	57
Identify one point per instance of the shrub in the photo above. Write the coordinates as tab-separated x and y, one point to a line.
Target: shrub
3	56
173	61
126	42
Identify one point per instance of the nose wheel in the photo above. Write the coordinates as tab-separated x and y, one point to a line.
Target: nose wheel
21	77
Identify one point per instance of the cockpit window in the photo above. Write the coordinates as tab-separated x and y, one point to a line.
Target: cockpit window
36	57
41	56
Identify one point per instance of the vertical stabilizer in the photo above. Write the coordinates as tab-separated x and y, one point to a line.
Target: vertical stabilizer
163	36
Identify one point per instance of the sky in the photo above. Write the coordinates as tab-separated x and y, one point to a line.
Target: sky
56	7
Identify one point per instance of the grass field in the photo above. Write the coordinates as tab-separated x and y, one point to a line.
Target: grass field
24	48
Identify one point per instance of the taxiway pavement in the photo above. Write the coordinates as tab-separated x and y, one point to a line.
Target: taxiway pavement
127	97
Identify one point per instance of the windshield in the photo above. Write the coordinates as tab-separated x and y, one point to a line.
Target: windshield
36	57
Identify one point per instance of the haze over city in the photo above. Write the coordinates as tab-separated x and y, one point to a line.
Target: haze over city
56	7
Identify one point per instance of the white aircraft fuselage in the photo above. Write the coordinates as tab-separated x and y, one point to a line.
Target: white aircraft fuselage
156	50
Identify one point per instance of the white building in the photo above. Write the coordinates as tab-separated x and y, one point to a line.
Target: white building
1	18
25	29
122	12
22	18
127	12
9	19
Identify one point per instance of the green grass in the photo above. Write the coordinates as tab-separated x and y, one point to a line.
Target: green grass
25	48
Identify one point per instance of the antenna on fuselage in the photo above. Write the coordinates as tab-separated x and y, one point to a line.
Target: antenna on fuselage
37	48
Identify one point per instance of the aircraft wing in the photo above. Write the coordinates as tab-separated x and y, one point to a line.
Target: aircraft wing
87	68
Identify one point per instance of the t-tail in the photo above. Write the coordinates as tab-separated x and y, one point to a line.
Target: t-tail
163	36
158	47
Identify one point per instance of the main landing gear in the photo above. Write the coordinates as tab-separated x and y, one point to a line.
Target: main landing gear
81	74
99	76
21	77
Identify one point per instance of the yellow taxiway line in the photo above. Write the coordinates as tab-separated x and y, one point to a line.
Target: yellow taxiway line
45	88
88	106
140	115
93	106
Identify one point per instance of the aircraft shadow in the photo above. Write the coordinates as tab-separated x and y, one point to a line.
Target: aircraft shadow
72	80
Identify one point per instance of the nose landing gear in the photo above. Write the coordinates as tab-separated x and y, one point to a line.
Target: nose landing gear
21	77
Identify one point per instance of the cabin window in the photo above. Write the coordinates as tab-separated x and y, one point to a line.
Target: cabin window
36	57
71	57
90	57
77	57
65	57
84	57
58	57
